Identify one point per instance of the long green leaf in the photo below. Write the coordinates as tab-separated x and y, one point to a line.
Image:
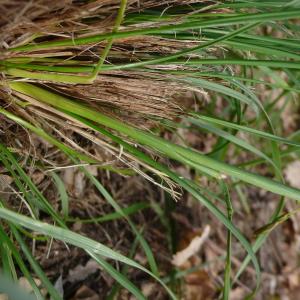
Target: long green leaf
148	139
75	239
242	19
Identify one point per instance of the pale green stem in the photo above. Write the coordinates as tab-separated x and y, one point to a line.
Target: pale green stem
107	48
174	151
76	79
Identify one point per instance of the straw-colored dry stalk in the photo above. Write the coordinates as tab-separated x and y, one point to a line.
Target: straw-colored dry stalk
133	96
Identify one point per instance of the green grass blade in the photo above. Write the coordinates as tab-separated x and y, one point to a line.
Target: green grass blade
7	266
131	209
74	239
12	290
184	184
87	80
171	150
119	277
205	84
109	44
227	274
240	19
256	132
21	264
40	199
35	266
62	193
118	209
233	139
116	287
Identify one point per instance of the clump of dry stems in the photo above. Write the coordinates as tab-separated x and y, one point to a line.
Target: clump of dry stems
133	96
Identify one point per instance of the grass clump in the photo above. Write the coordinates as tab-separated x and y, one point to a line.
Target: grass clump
101	81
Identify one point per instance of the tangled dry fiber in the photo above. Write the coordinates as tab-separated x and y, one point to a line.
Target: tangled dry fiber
134	96
141	98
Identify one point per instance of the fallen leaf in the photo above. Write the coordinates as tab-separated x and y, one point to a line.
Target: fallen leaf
148	289
237	293
198	286
24	284
5	181
194	246
80	272
37	177
292	172
85	293
74	181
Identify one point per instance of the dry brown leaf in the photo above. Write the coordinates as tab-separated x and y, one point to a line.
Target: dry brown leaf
194	246
85	293
74	181
237	293
198	286
148	289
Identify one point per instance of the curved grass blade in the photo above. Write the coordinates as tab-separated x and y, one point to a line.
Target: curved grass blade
62	193
227	275
256	132
13	290
235	140
21	264
223	90
34	190
118	209
35	266
185	184
131	209
171	150
75	239
118	276
240	19
87	80
116	287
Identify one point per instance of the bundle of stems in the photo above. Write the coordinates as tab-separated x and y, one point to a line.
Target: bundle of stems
118	74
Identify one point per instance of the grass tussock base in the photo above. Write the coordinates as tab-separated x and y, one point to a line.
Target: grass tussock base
111	110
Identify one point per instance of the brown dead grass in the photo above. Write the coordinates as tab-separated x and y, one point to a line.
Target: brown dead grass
138	98
20	19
